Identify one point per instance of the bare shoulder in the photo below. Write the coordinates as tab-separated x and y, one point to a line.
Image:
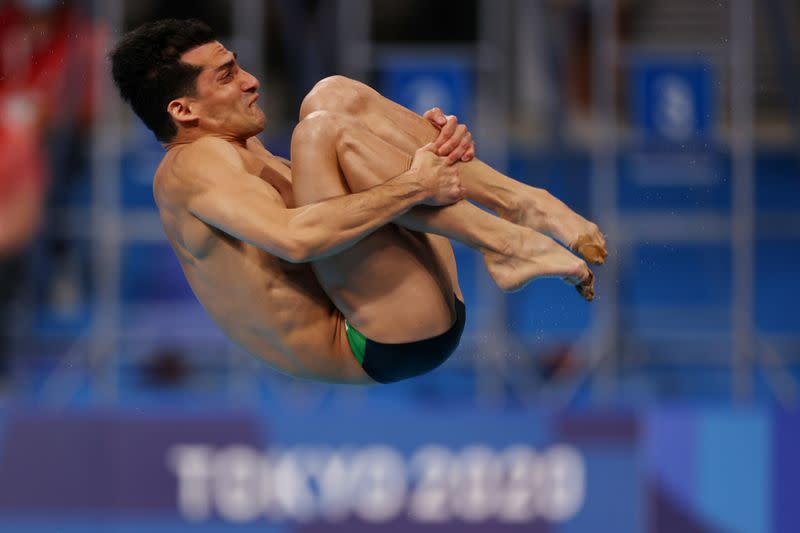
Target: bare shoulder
189	168
203	155
255	142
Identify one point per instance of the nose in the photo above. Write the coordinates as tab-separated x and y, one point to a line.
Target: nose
250	83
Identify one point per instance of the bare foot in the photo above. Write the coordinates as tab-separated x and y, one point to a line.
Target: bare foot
537	256
541	211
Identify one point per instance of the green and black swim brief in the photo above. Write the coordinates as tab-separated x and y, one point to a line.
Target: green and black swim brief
387	363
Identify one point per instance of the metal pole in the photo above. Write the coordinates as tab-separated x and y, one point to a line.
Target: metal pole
605	315
354	44
106	134
248	39
492	129
535	89
743	216
249	34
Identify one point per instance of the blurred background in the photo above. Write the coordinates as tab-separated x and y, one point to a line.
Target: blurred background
670	404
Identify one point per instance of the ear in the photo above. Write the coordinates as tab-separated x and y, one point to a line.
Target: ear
181	112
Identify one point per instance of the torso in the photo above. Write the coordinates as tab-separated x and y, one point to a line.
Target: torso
274	309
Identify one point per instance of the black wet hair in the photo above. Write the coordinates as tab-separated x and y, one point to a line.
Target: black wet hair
147	69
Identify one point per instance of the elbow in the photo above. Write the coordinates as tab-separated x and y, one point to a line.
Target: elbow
305	241
296	252
298	249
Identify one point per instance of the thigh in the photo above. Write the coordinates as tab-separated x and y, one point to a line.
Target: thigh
366	160
391	285
370	160
446	259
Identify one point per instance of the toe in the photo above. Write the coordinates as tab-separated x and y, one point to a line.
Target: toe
583	280
593	253
586	287
590	250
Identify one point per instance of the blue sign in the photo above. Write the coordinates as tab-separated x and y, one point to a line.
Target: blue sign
420	81
673	99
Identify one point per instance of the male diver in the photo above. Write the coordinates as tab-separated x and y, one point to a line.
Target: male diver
337	266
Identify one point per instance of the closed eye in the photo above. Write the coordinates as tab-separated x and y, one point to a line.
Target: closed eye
228	68
229	73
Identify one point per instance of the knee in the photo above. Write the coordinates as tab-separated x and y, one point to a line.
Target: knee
320	127
336	93
317	126
325	130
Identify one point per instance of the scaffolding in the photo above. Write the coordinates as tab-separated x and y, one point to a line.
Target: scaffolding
112	227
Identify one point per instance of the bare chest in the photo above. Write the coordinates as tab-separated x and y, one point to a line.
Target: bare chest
271	169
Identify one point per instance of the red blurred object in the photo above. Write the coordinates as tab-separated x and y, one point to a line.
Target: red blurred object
47	58
22	188
46	64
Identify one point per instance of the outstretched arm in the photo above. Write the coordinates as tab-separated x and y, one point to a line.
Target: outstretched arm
225	196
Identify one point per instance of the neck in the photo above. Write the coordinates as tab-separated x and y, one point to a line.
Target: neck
180	140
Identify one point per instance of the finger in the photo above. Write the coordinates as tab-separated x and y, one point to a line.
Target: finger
447	131
470	155
461	149
465	145
441	120
456	155
435	117
430	147
453	141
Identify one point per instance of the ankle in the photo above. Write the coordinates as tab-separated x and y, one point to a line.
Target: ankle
542	207
503	244
521	242
508	203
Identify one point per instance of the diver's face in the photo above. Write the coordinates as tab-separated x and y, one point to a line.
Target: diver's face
225	100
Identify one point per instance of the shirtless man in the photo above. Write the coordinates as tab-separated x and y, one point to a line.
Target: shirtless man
382	301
